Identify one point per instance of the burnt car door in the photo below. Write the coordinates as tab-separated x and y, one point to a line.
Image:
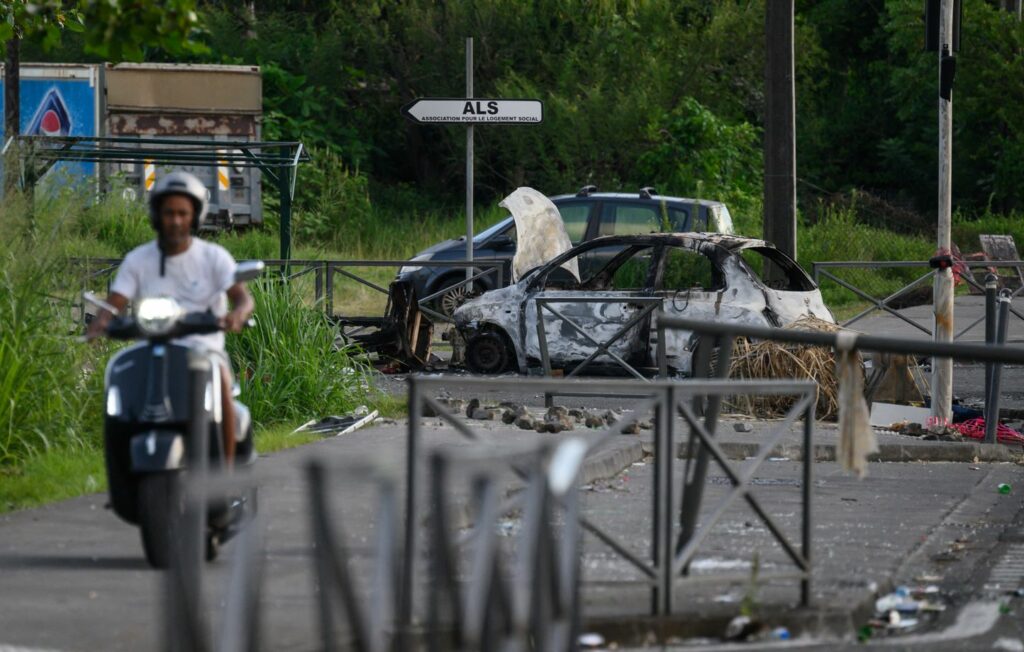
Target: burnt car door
599	306
704	281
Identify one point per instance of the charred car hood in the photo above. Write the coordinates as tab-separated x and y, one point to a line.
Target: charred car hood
540	231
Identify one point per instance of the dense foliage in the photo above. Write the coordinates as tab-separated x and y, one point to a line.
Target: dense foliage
665	92
668	93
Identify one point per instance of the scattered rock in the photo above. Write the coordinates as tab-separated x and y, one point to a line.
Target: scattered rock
632	429
513	412
473	404
557	410
485	414
525	421
557	419
743	426
578	414
611	416
594	421
453	405
645	424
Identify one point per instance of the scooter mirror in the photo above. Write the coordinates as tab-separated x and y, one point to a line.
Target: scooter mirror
249	270
100	303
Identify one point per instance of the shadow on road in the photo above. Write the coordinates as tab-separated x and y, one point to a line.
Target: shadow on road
72	562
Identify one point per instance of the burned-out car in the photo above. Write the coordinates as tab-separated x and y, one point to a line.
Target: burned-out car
603	284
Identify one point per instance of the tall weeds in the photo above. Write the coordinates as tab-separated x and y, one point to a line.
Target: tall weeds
49	390
289	365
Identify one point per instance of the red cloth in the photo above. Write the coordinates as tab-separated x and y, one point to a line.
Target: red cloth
975	429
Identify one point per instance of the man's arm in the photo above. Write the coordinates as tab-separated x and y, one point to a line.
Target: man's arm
242	307
99	323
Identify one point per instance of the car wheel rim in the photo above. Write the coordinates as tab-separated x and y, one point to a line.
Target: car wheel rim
487	355
453	298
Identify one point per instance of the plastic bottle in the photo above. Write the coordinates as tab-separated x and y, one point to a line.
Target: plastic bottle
1004	488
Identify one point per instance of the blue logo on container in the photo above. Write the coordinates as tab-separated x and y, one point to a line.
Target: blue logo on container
51	118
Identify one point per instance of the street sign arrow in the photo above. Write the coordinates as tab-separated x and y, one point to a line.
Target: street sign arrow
433	110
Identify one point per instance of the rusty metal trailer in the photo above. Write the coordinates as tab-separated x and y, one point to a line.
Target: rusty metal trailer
205	103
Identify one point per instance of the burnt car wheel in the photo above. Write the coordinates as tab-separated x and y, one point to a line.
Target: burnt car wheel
488	353
456	295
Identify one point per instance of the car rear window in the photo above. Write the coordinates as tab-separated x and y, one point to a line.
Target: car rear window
640	219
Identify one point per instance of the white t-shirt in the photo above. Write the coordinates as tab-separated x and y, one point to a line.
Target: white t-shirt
197	279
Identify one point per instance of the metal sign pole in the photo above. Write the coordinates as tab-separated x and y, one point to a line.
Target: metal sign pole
469	159
942	368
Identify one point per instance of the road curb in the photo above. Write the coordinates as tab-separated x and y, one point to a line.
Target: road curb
609	463
966	452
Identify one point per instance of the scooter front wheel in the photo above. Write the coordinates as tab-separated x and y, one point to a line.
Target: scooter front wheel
160	501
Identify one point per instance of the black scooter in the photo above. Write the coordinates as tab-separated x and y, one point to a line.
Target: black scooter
163	418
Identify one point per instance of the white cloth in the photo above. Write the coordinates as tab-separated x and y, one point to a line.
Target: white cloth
197	279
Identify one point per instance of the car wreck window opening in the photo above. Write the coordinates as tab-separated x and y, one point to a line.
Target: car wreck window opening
796	279
686	270
630	269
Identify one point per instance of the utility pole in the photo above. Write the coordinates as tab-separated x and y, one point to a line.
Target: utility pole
942	368
779	129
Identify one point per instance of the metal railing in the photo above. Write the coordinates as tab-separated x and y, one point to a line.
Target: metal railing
324	273
993	353
524	596
648	304
829	271
671	551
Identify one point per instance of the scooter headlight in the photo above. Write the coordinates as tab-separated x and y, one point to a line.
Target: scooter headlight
156	316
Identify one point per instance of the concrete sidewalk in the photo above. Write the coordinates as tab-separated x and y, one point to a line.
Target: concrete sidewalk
72	576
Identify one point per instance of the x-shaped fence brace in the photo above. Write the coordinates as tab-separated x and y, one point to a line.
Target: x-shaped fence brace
371	621
650	304
821	271
536	599
670	556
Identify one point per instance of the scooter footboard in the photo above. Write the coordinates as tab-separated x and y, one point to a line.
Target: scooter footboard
158	450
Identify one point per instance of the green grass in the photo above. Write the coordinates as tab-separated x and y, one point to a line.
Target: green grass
49	435
53	475
59	474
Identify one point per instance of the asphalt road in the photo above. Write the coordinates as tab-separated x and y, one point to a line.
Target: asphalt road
72	575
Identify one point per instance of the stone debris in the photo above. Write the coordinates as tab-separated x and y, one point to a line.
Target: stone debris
594	421
631	429
743	426
486	414
473	404
556	419
453	405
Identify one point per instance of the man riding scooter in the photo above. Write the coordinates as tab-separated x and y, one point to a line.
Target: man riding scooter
179	265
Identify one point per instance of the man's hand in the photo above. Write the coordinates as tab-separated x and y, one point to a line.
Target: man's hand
241	309
234	321
98	326
99	323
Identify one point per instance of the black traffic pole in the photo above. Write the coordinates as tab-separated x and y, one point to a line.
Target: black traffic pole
992	406
991	289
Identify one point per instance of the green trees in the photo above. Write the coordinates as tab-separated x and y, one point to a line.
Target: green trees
635	92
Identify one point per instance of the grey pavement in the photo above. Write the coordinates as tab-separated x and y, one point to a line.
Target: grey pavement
72	575
967	310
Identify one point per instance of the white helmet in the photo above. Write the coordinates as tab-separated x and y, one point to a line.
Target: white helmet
179	183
